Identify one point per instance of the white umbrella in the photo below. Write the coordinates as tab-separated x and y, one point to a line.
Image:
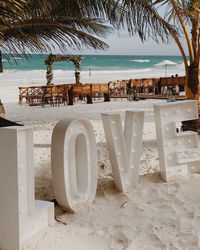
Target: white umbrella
165	63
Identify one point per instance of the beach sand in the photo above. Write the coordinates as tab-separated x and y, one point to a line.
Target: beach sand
155	215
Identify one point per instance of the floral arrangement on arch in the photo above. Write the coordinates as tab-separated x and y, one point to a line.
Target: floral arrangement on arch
51	59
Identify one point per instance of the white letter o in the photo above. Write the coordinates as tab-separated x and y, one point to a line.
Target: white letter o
74	162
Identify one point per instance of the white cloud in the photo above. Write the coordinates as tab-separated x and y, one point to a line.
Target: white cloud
123	44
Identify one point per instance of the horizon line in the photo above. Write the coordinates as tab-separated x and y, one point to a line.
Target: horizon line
93	54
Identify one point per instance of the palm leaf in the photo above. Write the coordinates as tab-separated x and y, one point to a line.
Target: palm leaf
34	26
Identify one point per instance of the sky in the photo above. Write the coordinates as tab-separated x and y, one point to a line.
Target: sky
123	44
126	45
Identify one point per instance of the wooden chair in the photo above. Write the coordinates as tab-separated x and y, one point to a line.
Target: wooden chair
66	94
115	89
58	94
36	95
148	85
123	89
180	81
76	90
48	96
101	90
86	92
96	91
82	90
73	92
156	86
23	94
62	93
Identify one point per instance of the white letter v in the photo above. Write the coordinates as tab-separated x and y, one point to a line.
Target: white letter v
124	148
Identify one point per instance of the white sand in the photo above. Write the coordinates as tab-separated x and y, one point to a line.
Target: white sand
156	215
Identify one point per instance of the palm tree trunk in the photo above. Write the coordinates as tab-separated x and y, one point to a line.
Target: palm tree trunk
194	85
1	64
2	111
194	80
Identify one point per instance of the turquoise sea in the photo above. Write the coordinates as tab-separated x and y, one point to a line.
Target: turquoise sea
95	62
104	68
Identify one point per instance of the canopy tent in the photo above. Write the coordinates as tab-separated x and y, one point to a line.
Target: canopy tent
165	63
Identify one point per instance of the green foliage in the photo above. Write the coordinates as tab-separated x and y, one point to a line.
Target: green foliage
171	91
77	60
38	25
133	93
51	59
132	90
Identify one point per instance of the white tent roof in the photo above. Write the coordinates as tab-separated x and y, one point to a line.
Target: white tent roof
165	62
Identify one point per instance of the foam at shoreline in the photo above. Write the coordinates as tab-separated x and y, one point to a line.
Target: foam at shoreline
30	77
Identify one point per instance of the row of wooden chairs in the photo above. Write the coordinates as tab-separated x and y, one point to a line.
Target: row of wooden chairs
178	82
118	89
88	92
49	94
65	93
146	86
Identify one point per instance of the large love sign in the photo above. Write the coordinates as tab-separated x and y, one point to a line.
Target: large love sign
74	164
73	145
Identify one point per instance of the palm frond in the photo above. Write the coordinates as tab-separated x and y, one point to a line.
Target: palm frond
142	17
35	25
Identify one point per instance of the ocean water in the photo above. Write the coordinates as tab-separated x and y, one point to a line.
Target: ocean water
104	68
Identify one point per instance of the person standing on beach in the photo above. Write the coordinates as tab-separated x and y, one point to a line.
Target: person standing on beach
90	72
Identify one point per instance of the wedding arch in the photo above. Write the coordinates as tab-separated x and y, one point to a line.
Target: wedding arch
51	59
